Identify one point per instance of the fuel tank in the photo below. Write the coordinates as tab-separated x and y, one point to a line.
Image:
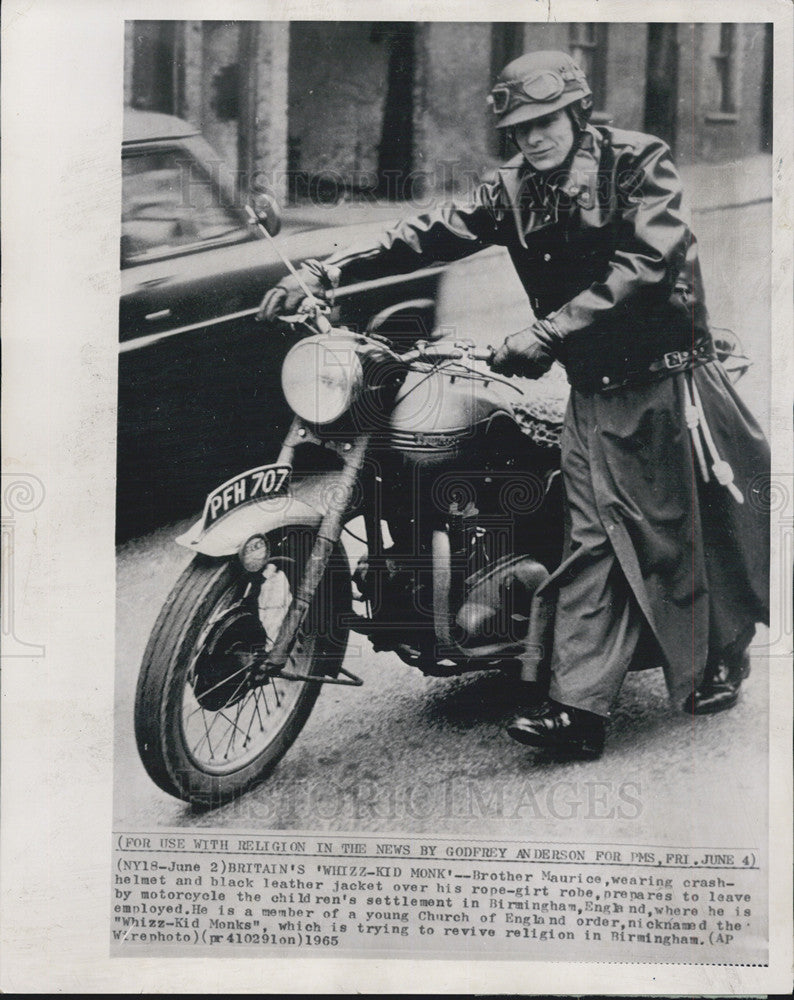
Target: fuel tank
438	414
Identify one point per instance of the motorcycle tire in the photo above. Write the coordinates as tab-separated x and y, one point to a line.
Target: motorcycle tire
191	679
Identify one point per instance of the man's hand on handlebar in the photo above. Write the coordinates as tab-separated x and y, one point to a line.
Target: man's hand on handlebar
529	352
286	297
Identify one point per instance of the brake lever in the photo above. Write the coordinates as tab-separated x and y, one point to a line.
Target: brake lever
317	313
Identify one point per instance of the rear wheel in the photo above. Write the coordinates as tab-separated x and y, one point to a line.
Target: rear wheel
207	727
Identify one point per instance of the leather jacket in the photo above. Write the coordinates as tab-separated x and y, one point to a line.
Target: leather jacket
603	251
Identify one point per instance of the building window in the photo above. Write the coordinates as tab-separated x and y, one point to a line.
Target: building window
155	71
588	45
725	61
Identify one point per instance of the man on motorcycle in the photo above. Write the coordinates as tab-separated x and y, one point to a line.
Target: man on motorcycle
667	548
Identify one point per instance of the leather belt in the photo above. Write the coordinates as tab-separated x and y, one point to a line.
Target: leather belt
676	361
667	364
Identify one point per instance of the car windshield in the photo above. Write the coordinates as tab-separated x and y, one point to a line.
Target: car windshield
168	203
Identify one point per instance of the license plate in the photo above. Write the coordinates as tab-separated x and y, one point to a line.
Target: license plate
256	484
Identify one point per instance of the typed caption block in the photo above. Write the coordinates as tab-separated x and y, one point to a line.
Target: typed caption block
183	893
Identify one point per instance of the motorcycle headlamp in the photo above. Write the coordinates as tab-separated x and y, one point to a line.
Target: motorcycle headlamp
321	378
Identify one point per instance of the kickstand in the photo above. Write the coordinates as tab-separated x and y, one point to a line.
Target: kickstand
353	681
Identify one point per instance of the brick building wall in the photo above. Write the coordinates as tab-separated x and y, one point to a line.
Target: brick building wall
312	97
337	91
219	111
722	106
453	131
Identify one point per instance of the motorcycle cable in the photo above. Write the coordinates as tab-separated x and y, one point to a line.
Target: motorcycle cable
313	300
433	370
474	376
467	373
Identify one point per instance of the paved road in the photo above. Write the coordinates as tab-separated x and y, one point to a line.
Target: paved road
417	754
413	754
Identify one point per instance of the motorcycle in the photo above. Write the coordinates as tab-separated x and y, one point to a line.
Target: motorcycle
420	458
461	515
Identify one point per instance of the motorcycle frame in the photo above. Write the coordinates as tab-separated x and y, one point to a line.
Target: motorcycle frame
327	510
329	532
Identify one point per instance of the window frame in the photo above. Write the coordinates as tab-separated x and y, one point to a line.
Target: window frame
224	194
725	84
726	64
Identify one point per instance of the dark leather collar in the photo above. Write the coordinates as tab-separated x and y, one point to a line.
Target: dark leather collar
580	183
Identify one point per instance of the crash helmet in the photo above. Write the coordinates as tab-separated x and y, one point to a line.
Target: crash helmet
537	84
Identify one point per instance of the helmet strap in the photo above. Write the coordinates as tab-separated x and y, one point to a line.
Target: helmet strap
579	113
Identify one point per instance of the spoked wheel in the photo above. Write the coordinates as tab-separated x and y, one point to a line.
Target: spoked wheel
208	724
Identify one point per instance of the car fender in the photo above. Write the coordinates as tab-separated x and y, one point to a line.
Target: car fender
307	503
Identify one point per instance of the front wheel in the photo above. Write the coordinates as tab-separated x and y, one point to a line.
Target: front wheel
207	727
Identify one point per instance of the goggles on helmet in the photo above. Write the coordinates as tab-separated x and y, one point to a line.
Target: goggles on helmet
546	85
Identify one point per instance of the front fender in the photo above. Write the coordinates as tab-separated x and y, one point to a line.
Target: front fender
308	502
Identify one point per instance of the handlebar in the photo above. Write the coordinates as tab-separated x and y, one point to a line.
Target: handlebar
485	354
455	352
447	352
314	312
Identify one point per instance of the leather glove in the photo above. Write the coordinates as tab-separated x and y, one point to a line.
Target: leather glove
529	352
286	297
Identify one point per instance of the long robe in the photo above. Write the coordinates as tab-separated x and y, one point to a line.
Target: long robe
654	548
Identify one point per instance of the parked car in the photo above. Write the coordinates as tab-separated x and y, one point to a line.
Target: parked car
199	391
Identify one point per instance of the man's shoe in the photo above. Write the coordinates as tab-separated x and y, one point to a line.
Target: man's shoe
532	700
720	692
563	729
738	668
